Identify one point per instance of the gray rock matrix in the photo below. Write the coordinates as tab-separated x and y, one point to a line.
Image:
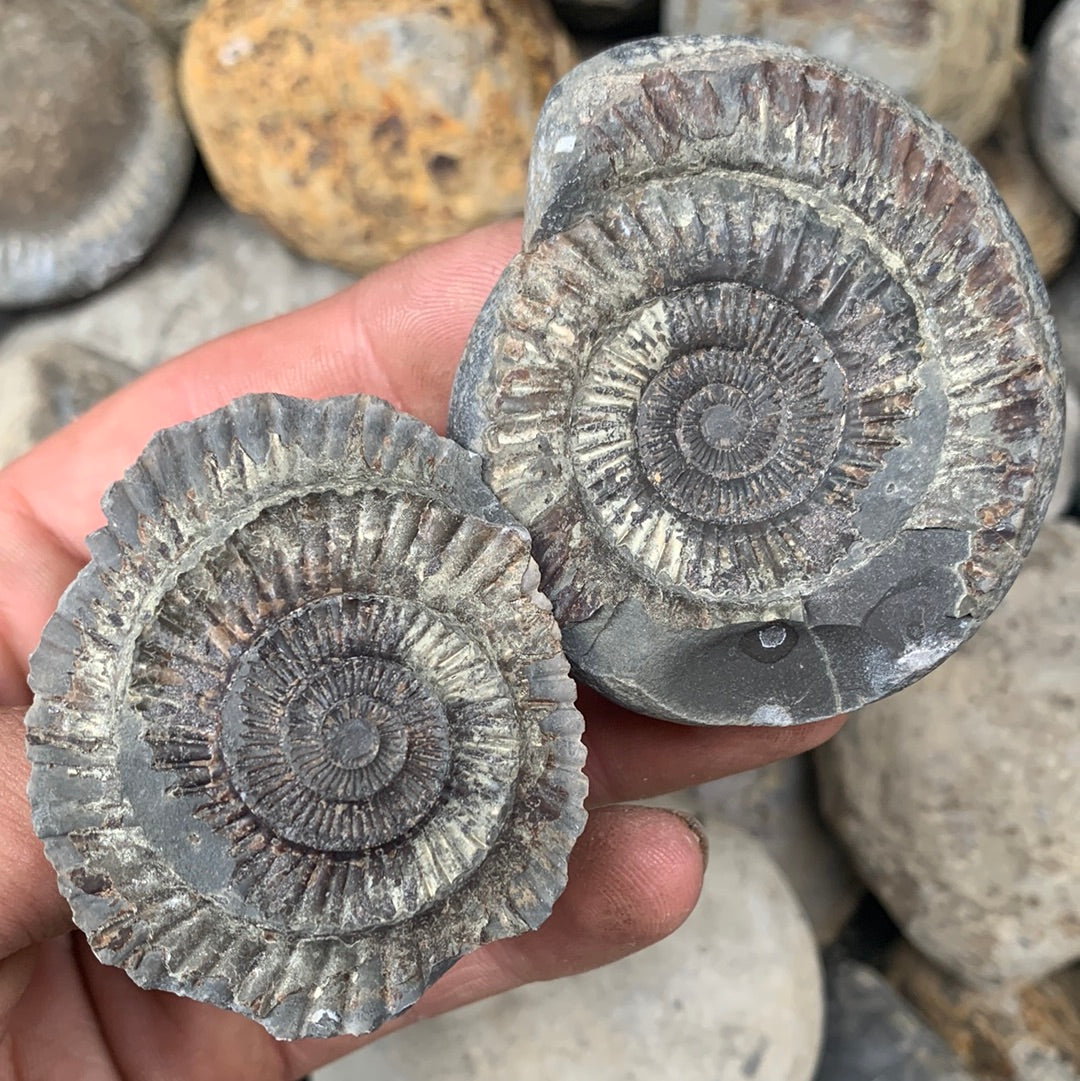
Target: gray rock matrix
303	733
776	462
94	152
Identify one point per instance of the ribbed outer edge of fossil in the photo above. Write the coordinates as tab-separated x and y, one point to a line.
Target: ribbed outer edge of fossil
652	124
196	486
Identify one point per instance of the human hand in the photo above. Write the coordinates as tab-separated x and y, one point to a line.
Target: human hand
636	872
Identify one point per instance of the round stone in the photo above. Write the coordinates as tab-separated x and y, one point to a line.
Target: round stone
957	797
359	130
94	153
1054	111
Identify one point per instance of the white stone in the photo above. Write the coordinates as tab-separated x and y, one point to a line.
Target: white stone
959	796
777	804
1055	100
734	994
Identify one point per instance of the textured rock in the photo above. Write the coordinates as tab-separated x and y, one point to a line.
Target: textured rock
958	797
94	154
170	18
777	804
1065	304
213	272
361	129
734	994
1054	112
302	732
45	388
1068	481
707	387
872	1034
1012	1034
1046	220
952	58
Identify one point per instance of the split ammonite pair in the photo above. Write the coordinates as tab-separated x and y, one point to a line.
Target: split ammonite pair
774	390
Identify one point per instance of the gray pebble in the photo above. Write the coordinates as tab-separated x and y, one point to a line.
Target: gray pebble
1054	108
48	386
94	152
958	797
872	1034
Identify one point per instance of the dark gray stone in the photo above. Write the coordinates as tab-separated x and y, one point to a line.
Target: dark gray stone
773	384
44	388
872	1034
303	734
94	152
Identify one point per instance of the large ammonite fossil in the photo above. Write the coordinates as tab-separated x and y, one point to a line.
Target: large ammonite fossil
773	383
303	732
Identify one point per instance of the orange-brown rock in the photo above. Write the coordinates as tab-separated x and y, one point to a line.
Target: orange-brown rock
360	129
1025	1033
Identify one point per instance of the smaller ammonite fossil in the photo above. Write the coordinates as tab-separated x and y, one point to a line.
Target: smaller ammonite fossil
773	384
94	153
303	733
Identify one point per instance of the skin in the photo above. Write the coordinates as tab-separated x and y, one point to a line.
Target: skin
636	872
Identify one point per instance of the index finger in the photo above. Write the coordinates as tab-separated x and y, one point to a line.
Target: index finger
398	334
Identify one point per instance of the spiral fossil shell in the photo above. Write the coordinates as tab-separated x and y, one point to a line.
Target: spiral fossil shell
773	383
303	732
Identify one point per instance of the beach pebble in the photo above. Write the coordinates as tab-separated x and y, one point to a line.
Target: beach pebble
958	796
94	153
952	58
358	129
734	994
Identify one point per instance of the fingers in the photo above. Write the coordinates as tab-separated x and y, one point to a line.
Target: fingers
31	909
398	334
632	757
635	876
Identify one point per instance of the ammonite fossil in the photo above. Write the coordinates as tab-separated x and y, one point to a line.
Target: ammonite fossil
94	152
773	383
303	732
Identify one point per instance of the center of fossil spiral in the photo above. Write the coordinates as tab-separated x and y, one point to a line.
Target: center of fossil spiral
724	425
353	732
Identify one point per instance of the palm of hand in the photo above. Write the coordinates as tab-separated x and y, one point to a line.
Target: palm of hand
635	874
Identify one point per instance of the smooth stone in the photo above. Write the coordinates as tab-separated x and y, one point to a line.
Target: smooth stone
1046	220
214	272
1068	482
952	58
47	387
777	804
362	129
170	18
94	153
1027	1033
872	1034
1065	305
734	994
1054	112
958	797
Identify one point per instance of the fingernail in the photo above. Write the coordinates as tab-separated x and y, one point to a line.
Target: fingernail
698	829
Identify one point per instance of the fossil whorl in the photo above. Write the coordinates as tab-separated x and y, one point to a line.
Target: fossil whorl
773	383
303	732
